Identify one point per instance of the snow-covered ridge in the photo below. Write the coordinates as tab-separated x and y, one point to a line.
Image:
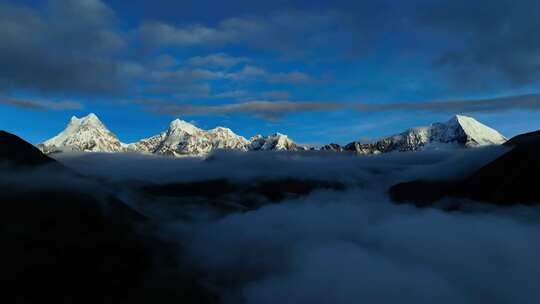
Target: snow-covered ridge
183	138
460	131
89	134
276	141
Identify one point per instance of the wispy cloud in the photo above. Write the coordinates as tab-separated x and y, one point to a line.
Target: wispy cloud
270	110
283	95
159	33
290	31
499	104
40	105
244	95
178	80
252	73
220	60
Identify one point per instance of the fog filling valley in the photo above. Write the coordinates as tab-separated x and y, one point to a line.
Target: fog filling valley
344	245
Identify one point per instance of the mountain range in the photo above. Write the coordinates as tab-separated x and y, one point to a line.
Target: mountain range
461	131
89	134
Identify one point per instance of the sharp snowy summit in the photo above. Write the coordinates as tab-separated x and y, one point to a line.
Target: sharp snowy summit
274	142
461	131
86	134
89	134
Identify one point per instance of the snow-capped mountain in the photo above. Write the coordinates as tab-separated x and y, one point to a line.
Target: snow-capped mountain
86	134
225	138
461	130
183	138
332	147
147	145
274	142
89	134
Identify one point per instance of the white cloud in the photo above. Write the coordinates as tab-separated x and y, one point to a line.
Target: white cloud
344	246
220	60
159	33
294	31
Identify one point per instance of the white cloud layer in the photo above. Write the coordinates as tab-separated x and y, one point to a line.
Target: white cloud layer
346	246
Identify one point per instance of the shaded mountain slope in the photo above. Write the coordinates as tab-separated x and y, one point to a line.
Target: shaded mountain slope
68	239
525	138
18	152
508	180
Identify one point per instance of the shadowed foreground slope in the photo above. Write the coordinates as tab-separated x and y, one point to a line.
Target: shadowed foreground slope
508	180
64	238
20	153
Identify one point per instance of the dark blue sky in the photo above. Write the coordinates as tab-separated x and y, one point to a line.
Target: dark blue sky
320	71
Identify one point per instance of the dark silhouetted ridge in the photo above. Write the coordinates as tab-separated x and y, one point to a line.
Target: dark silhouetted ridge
16	151
524	138
63	243
510	179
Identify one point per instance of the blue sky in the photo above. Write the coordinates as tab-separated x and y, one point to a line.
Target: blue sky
320	71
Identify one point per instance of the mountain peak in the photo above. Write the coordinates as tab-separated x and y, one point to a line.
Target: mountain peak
183	138
221	129
461	130
477	133
461	116
87	133
183	125
275	141
463	119
91	119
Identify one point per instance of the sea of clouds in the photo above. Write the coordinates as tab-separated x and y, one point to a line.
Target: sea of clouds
350	246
